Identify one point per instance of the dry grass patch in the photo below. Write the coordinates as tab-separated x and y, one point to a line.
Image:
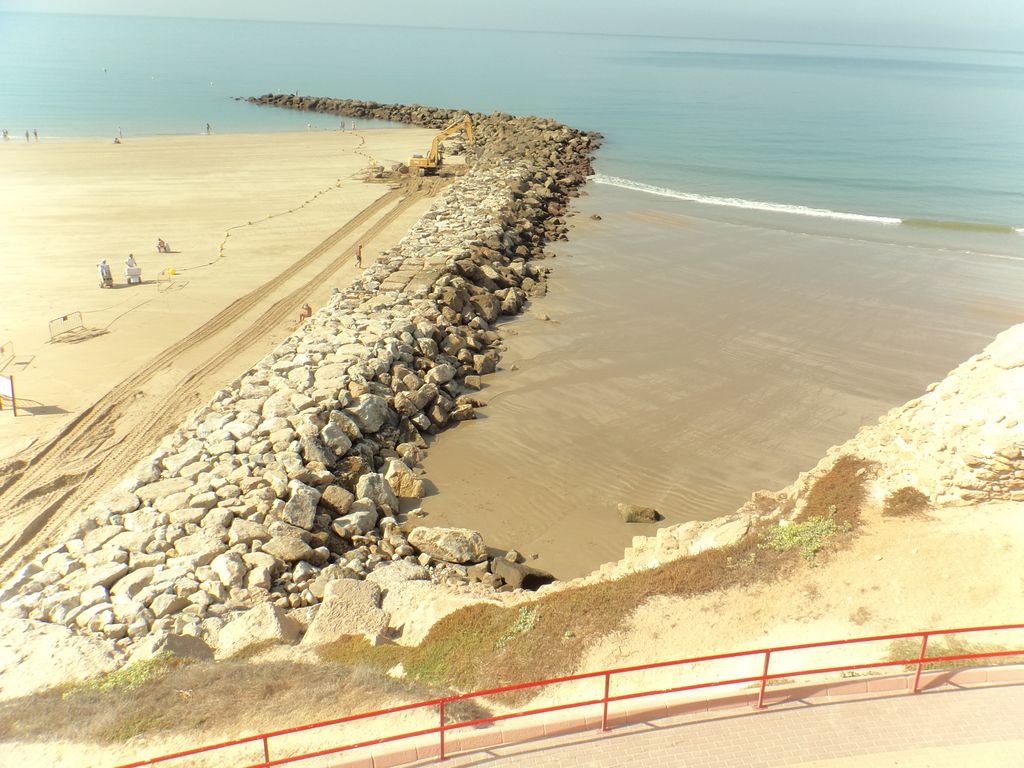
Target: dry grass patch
906	502
844	488
205	700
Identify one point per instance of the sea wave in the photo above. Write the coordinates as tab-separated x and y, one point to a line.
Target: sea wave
738	202
803	210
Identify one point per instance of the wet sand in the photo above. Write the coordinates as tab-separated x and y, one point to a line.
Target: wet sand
688	363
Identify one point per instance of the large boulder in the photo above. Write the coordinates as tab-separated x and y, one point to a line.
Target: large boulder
370	412
349	607
721	535
453	545
230	569
266	624
402	481
180	646
374	487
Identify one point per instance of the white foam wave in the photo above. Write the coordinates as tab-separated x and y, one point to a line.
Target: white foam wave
738	202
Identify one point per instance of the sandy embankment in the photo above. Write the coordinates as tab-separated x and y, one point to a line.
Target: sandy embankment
691	362
149	354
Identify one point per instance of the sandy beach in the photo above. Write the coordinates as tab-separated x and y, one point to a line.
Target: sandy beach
289	210
68	204
688	363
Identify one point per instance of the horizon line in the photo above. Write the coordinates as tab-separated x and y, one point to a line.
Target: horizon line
702	38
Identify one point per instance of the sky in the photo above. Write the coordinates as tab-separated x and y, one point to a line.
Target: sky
982	24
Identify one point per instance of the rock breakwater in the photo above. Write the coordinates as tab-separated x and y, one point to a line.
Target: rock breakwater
246	519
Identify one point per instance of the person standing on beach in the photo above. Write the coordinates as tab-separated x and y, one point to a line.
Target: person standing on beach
208	129
26	136
35	133
6	137
359	256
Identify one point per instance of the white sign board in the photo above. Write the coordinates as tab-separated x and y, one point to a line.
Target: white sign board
7	387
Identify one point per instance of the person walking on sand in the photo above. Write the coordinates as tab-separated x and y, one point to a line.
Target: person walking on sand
35	133
208	131
359	256
26	137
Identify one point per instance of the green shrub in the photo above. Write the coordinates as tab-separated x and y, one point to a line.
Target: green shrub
809	536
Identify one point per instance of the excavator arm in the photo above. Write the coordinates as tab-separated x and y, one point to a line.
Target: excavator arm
433	159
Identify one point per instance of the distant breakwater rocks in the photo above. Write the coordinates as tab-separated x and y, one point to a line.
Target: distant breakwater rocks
277	507
564	154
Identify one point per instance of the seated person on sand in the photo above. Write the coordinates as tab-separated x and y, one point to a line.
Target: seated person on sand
305	313
162	246
117	140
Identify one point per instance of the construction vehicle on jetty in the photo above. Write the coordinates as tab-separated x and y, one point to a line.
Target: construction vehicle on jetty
431	163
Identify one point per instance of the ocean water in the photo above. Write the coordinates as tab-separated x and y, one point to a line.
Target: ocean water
858	135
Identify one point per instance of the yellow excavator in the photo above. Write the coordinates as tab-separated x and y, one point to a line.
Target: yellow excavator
429	165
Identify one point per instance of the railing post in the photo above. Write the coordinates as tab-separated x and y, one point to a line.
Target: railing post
442	730
764	680
266	751
604	714
920	661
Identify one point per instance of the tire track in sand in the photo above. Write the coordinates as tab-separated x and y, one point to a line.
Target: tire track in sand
58	480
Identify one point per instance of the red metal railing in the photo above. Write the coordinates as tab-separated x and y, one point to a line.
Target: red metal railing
769	655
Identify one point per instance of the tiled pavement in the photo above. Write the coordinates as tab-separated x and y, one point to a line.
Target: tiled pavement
981	727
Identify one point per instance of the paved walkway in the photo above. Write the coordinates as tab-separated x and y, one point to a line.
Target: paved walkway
981	727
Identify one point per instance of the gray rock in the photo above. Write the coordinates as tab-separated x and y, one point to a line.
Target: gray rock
265	624
349	607
180	646
300	510
335	438
374	487
370	412
453	545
